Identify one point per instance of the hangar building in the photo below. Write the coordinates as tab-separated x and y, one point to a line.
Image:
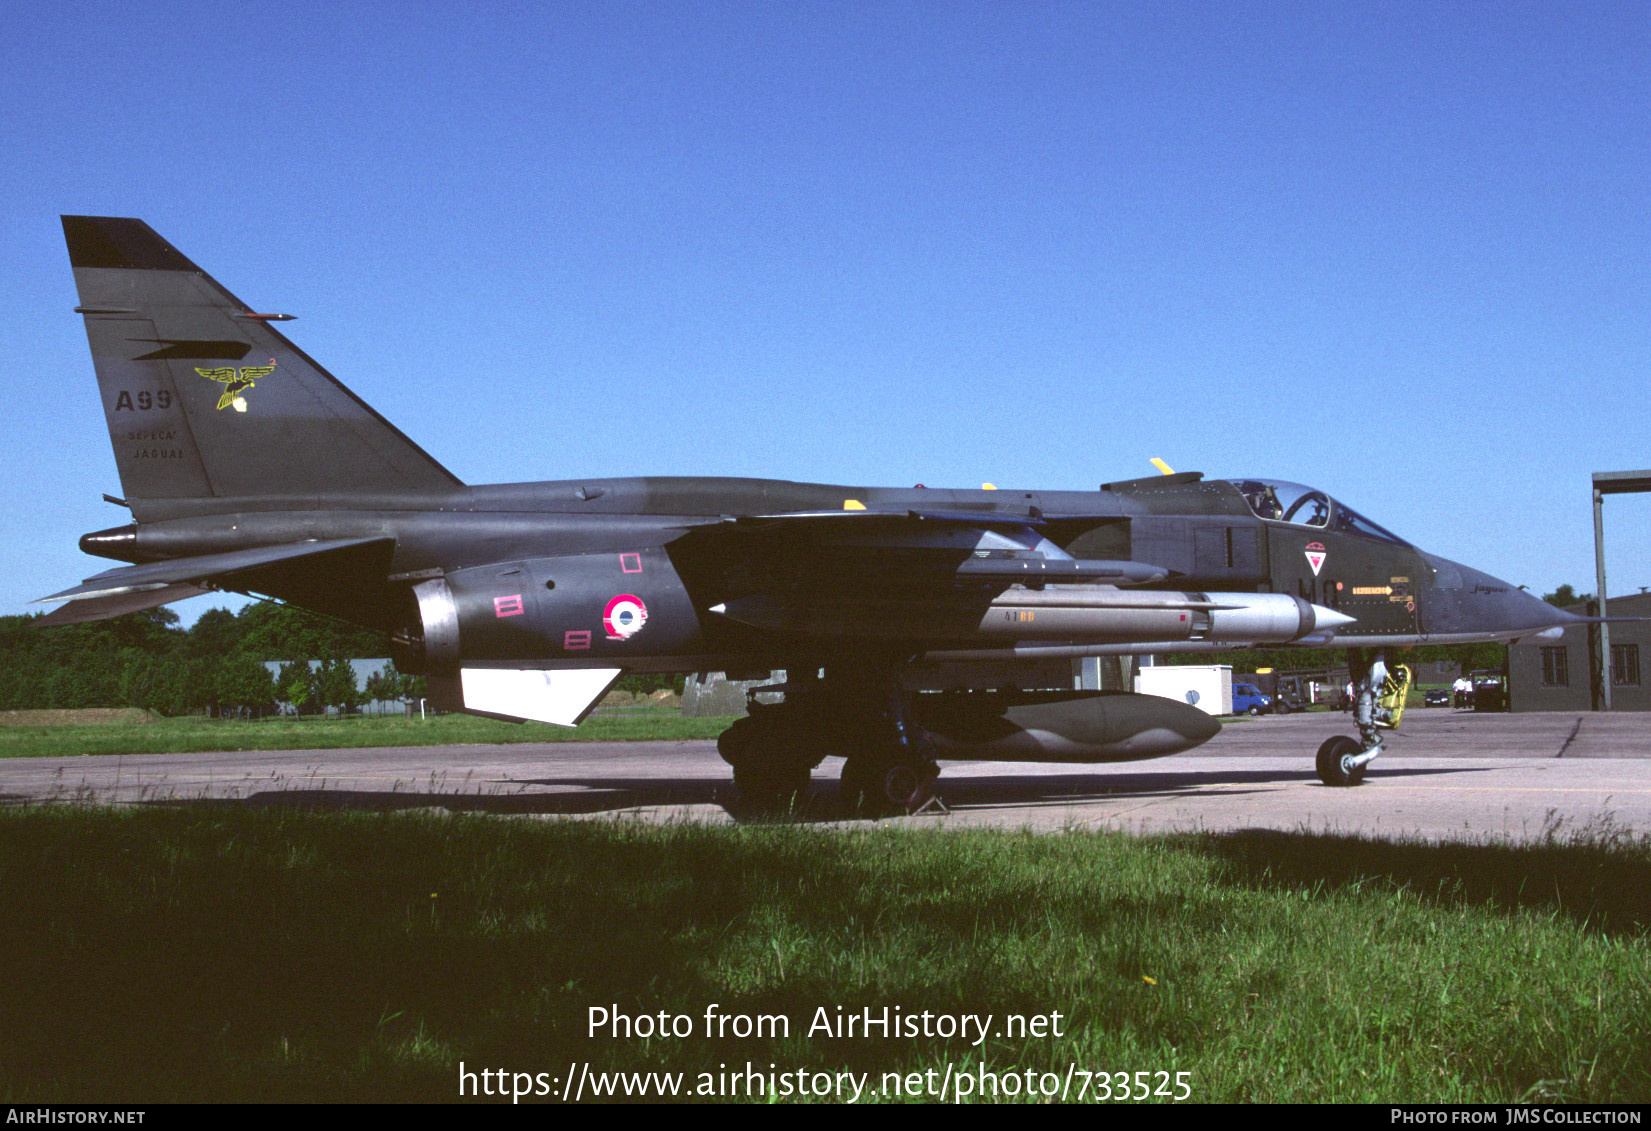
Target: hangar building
1563	675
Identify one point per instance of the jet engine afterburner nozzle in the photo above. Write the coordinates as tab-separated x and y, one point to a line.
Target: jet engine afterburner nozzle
427	639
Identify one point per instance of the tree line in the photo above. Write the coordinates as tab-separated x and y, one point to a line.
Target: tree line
216	667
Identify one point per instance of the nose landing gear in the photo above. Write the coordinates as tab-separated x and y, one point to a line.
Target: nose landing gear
1340	761
1379	701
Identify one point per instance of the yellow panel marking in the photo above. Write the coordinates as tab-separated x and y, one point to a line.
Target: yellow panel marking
988	487
853	505
1161	466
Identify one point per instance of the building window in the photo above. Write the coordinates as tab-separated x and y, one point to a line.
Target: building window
1625	665
1556	667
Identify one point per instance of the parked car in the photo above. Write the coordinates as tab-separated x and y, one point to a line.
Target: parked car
1247	699
1436	697
1289	694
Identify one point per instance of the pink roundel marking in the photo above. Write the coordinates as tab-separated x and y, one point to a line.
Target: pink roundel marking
624	616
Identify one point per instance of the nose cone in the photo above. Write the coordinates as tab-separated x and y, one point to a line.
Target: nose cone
1462	601
1319	625
1328	619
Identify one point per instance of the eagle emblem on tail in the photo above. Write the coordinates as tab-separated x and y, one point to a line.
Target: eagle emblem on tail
236	382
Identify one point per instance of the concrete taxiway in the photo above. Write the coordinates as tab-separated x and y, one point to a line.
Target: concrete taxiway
1448	775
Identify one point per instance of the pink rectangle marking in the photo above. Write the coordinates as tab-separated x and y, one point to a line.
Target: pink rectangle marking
576	641
630	563
510	606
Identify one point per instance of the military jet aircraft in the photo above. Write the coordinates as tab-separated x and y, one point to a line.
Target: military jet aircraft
249	468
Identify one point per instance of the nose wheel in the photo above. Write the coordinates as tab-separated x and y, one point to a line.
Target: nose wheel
1338	761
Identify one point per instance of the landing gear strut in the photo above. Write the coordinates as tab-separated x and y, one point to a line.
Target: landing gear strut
865	717
1378	705
890	769
889	763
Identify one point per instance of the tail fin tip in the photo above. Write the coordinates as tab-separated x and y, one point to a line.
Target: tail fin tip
122	243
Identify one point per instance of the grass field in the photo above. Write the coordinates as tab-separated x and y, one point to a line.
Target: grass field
210	954
172	736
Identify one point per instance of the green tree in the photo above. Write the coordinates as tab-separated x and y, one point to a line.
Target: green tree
413	686
280	632
382	685
1565	596
139	674
245	685
393	683
217	633
295	684
336	685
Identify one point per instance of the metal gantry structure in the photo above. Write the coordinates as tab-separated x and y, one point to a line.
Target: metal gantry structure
1609	483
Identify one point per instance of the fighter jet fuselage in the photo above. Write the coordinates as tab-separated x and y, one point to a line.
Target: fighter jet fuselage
249	468
908	565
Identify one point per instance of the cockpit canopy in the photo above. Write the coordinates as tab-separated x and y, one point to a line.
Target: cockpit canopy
1278	501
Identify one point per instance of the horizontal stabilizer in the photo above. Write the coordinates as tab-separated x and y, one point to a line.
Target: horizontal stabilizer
202	567
560	697
118	604
279	571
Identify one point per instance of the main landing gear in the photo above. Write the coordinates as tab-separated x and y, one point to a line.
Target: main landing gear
891	770
772	758
774	749
1378	705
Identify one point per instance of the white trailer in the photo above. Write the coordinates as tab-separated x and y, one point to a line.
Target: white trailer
1209	687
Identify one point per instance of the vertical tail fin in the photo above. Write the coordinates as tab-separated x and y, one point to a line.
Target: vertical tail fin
204	398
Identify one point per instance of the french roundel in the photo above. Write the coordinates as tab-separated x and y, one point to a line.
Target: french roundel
624	616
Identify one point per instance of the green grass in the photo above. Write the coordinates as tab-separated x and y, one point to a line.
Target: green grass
194	954
172	736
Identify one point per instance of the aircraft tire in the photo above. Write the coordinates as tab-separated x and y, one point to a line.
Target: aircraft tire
771	772
738	742
880	785
1332	761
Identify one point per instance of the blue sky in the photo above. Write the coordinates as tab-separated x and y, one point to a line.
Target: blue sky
1400	251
